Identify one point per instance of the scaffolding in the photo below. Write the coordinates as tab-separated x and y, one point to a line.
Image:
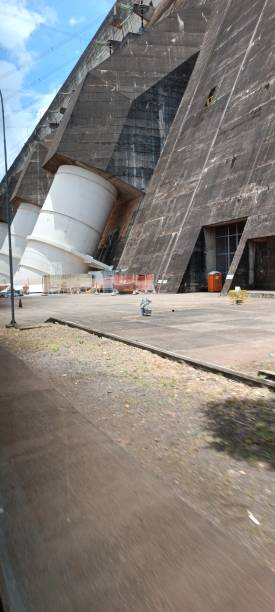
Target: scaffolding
98	282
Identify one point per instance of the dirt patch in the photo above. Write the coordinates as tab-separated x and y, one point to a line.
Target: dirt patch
212	440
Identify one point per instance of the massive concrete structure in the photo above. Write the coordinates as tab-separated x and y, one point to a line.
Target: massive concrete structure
177	124
210	203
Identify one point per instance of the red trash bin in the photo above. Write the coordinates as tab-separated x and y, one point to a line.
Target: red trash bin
214	282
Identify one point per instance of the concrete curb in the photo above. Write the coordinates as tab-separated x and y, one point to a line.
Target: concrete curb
28	328
201	365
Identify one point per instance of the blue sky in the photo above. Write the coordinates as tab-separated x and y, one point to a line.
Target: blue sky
40	42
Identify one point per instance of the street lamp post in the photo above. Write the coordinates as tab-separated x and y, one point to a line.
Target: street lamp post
8	211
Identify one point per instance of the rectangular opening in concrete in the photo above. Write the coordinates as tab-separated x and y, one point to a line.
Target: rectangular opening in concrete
195	277
264	264
227	238
214	250
256	270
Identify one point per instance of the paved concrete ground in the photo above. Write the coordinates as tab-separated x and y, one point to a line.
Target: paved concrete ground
202	326
84	528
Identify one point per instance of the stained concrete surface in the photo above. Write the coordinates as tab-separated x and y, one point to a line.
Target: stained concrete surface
201	326
217	163
83	527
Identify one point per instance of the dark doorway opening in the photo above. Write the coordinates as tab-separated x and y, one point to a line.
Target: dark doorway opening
227	239
214	250
241	278
194	278
107	251
264	278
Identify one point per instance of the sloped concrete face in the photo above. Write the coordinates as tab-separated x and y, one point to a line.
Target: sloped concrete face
12	181
121	115
34	182
147	126
22	225
113	120
96	52
116	122
69	226
184	114
3	232
217	163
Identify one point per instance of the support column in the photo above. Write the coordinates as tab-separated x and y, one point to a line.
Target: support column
69	226
235	262
23	223
210	249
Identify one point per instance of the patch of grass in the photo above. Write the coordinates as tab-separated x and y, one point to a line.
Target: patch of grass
55	349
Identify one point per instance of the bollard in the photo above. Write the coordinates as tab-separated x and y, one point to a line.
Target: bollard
145	308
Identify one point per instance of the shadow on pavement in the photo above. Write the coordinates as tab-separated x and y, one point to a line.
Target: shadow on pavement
244	429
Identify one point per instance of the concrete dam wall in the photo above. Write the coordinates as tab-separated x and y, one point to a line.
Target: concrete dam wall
162	159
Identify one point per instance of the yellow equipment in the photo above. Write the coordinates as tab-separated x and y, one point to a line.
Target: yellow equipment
238	296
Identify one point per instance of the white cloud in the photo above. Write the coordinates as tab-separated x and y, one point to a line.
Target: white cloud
76	20
23	108
17	23
22	112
